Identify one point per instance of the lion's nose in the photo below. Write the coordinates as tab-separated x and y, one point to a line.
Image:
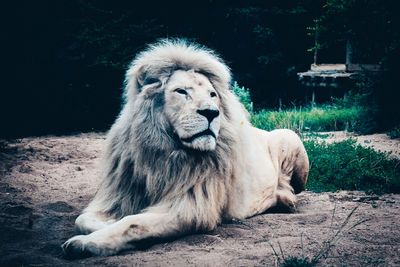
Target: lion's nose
210	114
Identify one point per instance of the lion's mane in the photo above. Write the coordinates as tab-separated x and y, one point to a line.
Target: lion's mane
144	163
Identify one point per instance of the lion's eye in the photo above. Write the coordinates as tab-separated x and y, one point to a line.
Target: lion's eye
213	94
181	91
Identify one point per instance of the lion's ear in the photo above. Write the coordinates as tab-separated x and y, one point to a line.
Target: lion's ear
140	76
143	77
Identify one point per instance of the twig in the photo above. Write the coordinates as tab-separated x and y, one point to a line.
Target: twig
333	215
302	246
236	221
333	240
280	248
277	261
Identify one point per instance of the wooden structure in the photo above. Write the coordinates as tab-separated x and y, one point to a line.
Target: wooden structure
331	80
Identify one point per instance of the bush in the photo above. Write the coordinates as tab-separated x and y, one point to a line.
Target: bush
346	165
244	96
395	132
366	120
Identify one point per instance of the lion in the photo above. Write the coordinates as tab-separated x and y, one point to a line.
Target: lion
182	156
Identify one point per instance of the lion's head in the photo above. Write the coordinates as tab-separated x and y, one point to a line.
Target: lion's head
181	124
186	88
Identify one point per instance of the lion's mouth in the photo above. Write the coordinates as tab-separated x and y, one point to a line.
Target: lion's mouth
203	133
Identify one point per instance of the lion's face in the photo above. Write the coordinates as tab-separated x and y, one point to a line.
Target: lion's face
192	106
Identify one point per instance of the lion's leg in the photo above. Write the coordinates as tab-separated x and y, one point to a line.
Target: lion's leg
120	235
292	164
90	221
284	193
292	177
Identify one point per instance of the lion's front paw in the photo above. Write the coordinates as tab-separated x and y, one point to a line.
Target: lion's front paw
81	246
74	248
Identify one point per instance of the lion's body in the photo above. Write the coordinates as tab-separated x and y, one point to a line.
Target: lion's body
182	156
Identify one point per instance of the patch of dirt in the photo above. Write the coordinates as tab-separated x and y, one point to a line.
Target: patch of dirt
379	142
45	182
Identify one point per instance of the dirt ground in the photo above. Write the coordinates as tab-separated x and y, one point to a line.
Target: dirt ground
45	182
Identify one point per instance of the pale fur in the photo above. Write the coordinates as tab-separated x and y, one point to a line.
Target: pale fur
155	186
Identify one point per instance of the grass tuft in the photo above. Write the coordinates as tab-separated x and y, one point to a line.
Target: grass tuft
313	118
327	245
297	262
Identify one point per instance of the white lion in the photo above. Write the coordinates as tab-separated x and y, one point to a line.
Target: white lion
182	156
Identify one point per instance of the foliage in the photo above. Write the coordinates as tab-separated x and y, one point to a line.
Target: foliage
244	96
395	132
373	93
366	85
346	165
297	262
339	21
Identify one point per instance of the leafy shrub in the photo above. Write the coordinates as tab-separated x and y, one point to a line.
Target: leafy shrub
366	120
346	165
395	132
244	96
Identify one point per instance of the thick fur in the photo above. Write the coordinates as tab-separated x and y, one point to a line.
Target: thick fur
155	186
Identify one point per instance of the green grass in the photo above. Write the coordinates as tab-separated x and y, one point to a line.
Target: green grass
333	117
317	118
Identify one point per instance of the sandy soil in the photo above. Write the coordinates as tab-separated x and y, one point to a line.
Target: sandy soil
379	142
45	182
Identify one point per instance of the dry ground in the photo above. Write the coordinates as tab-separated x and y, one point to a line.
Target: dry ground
45	182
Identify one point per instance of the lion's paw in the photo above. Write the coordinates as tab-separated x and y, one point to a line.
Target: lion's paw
81	246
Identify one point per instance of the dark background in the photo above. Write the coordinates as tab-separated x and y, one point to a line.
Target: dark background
63	61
